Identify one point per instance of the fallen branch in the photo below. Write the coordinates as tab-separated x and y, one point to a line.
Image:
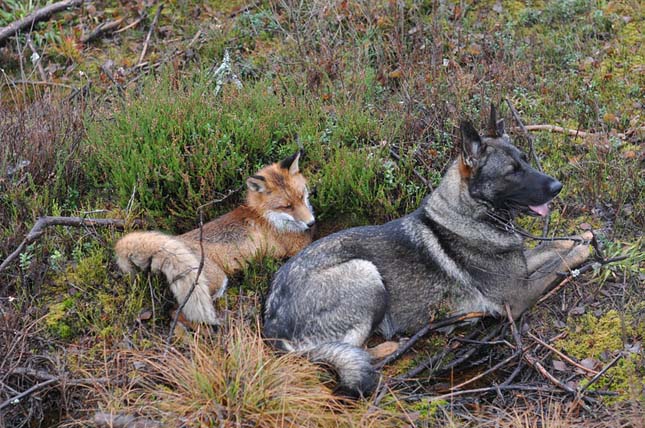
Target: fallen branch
152	28
16	399
562	355
424	331
38	15
600	374
43	222
571	132
103	28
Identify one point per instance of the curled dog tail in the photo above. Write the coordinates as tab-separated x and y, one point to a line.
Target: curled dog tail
179	263
352	364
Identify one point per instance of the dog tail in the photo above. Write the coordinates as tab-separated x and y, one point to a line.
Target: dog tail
352	365
179	263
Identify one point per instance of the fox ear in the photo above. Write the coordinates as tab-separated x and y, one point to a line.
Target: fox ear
291	163
471	143
500	128
256	183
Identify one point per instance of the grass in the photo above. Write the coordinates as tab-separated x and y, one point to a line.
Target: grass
352	84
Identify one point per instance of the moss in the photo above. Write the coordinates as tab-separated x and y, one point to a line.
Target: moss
597	337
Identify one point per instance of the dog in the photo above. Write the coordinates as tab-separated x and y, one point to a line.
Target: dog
276	220
450	256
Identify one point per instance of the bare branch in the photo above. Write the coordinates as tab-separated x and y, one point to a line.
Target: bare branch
38	15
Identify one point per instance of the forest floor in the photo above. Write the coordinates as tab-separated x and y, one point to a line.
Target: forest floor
112	109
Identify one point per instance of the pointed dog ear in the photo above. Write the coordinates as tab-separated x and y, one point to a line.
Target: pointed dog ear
291	163
256	183
500	128
471	144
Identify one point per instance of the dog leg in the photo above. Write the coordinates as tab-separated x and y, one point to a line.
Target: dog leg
546	274
548	251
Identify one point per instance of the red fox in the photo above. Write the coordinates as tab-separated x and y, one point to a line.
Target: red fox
276	220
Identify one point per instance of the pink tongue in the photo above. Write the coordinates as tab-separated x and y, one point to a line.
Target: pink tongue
543	209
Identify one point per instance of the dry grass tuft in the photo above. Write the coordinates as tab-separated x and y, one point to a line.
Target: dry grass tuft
232	379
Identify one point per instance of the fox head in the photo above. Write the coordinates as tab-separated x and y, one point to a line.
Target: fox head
498	174
278	192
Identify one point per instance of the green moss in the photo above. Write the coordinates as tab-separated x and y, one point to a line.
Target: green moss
593	337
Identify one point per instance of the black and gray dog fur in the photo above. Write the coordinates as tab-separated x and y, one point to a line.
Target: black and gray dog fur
450	254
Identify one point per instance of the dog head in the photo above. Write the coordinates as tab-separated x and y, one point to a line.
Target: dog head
499	174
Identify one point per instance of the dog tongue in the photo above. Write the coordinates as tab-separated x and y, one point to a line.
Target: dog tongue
543	209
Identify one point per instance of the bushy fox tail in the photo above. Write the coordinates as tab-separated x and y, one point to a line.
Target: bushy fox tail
179	263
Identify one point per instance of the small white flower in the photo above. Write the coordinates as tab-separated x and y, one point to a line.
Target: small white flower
446	62
575	273
35	58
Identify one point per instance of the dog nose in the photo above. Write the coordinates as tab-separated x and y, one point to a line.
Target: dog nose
554	187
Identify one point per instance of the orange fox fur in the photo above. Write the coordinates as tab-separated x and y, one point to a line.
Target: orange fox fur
275	220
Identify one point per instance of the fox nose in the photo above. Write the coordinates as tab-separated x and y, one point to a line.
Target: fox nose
554	187
311	223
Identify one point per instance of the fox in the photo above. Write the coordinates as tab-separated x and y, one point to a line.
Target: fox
275	220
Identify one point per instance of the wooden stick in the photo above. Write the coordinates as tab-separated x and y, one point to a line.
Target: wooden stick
152	28
425	330
101	29
600	373
38	15
562	355
43	222
571	132
16	399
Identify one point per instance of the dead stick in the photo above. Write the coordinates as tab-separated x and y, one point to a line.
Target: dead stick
152	27
16	399
41	14
517	118
425	330
600	374
101	29
562	355
568	131
46	221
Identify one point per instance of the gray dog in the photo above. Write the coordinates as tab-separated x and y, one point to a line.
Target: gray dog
452	255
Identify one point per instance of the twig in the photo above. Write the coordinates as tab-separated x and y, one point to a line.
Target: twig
101	29
43	222
127	27
108	73
152	28
517	118
489	371
16	399
562	355
38	15
600	374
571	132
577	272
43	82
425	330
